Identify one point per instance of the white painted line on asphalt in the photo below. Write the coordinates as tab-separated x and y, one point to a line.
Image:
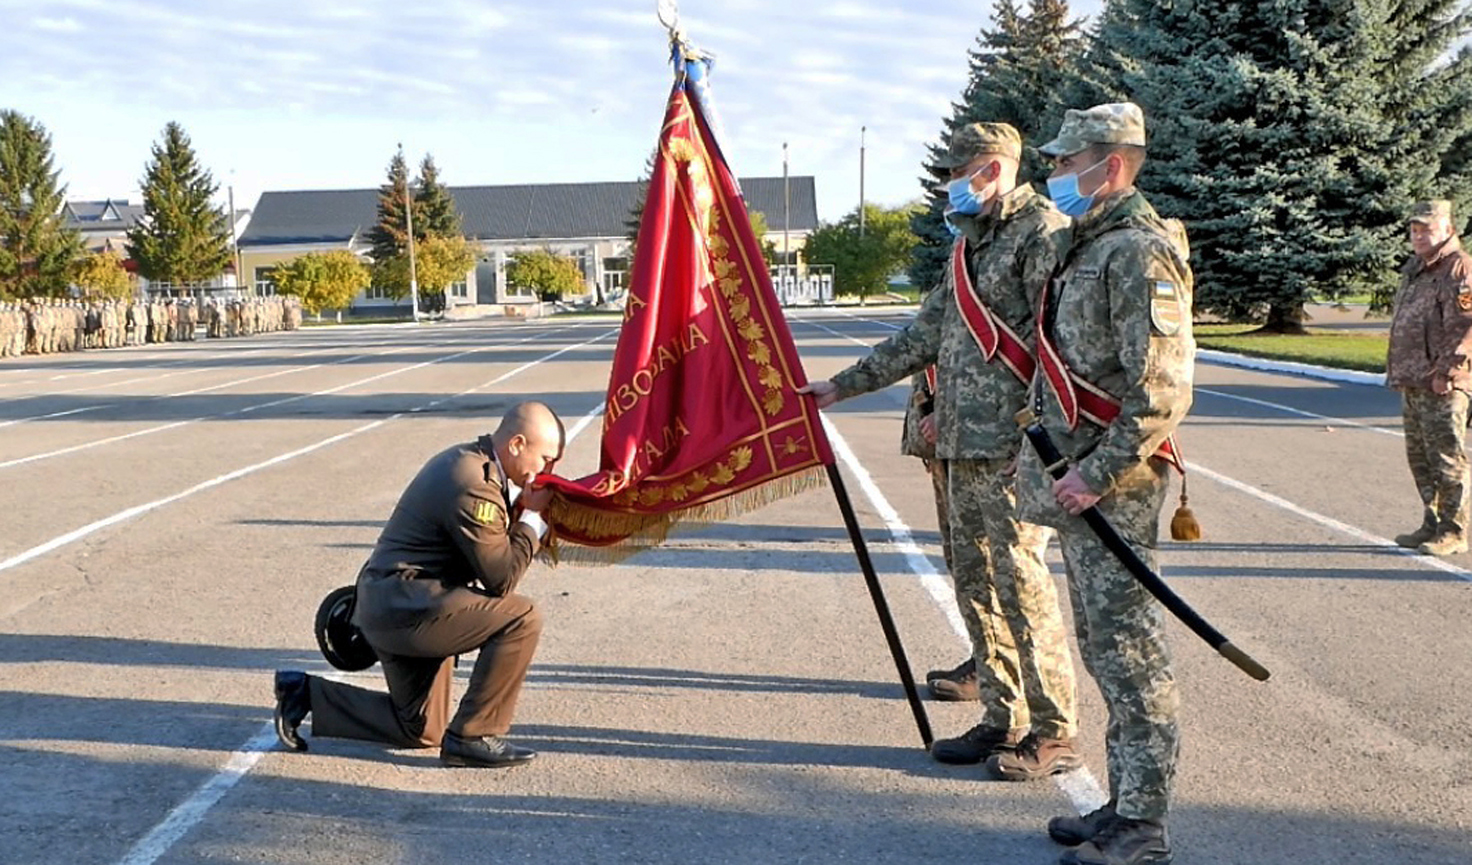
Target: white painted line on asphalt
1328	522
193	392
121	516
250	408
1080	786
183	818
1288	409
54	414
187	363
77	534
585	421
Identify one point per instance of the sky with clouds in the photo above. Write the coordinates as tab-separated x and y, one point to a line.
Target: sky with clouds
316	95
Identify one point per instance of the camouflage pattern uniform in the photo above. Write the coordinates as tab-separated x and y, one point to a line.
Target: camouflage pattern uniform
1431	337
1120	316
1006	595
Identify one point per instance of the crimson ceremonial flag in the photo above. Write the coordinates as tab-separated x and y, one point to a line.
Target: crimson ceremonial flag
701	421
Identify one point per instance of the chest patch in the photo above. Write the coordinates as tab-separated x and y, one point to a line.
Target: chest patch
1087	272
1166	313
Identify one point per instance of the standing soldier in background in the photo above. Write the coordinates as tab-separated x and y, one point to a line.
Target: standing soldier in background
1430	362
1115	356
976	329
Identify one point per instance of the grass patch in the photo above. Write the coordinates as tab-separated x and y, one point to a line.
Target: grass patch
1359	351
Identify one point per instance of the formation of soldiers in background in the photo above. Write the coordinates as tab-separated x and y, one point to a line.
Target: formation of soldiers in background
47	325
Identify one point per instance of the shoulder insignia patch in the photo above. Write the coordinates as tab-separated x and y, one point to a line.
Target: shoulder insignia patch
485	512
1165	308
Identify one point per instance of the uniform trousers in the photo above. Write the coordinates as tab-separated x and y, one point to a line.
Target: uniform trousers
1009	603
1436	433
418	664
1121	638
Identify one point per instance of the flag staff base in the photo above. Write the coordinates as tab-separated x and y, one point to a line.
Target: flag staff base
881	606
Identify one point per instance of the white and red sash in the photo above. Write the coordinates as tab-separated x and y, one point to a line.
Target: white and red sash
995	339
1080	398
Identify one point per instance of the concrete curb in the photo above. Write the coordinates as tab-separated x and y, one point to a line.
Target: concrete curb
1307	370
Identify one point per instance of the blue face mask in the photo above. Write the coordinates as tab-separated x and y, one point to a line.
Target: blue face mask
962	198
1064	192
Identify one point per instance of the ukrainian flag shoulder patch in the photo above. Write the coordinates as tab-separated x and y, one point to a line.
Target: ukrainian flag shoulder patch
1166	314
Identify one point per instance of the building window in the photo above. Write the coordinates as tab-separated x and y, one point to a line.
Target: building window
460	290
265	281
375	292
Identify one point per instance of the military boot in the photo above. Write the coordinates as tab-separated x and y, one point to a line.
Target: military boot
1072	831
1122	841
965	668
1415	539
1444	544
974	745
1034	757
957	686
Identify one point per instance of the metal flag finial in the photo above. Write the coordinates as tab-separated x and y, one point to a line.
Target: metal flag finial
669	15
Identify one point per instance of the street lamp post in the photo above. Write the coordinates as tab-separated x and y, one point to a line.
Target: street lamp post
862	130
235	244
413	274
786	214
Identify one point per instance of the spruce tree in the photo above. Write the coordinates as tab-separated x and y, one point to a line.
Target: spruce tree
37	250
433	200
1290	136
390	235
1017	73
182	236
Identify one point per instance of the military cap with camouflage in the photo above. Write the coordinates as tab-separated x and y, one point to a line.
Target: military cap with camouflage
1112	123
976	139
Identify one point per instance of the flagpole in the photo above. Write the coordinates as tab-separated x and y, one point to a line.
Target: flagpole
881	606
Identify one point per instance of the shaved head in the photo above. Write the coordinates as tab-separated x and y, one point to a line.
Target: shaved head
529	441
531	419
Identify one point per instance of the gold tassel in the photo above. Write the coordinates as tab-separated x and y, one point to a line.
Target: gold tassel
1183	526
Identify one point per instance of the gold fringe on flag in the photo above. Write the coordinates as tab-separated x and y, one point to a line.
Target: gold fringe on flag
636	533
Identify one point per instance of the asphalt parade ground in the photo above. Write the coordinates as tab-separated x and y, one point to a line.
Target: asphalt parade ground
173	515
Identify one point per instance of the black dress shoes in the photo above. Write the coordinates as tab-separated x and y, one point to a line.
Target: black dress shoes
487	752
293	704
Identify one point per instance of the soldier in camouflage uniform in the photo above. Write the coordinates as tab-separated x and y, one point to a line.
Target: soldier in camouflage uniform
1430	362
1118	315
1012	239
957	684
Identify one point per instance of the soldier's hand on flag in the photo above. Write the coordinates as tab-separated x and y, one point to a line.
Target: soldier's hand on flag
535	498
1073	494
825	392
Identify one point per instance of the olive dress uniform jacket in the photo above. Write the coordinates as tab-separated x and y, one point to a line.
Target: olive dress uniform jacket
451	528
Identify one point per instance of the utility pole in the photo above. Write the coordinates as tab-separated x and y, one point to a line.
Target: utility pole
235	244
409	220
862	130
786	213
